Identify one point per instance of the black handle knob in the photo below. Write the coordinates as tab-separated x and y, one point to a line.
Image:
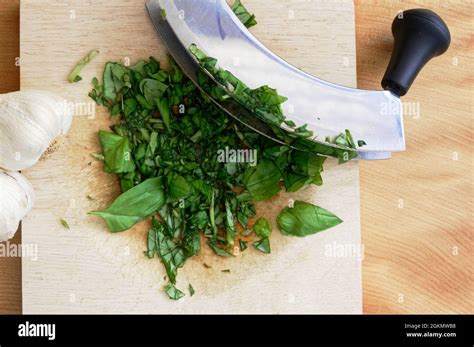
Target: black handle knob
419	36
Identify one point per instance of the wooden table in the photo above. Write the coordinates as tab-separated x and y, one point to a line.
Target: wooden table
417	209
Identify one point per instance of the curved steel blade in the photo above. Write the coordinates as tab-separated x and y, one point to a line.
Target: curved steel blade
328	109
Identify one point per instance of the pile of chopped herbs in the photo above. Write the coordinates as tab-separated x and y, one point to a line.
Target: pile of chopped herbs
165	147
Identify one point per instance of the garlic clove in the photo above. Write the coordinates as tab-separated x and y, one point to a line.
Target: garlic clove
30	121
16	201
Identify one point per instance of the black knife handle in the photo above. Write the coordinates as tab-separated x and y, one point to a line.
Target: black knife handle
419	35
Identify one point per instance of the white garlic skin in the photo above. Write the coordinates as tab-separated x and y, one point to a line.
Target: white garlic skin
16	200
29	122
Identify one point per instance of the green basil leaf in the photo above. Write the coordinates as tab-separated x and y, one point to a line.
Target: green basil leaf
262	228
179	188
191	290
191	243
263	245
173	292
152	89
242	245
244	16
135	204
110	92
117	154
305	219
230	225
294	182
64	223
164	108
263	180
152	145
152	243
219	251
171	254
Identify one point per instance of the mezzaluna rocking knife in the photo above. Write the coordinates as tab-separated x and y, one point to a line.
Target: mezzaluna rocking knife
372	116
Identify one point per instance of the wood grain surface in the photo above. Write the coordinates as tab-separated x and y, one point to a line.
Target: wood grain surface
89	270
410	264
417	208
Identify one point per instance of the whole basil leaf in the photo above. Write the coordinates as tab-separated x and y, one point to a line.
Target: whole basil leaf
305	219
134	205
117	154
263	180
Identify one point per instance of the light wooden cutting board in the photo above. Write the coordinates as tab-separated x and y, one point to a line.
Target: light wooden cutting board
87	269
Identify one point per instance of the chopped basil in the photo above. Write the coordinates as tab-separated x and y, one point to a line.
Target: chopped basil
191	290
173	292
64	223
164	147
263	245
262	228
117	155
244	16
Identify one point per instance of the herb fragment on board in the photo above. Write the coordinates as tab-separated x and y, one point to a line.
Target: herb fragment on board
263	245
74	76
173	292
191	290
262	228
243	14
219	251
64	223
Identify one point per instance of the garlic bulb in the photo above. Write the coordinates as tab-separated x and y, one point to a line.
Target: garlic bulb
16	200
30	122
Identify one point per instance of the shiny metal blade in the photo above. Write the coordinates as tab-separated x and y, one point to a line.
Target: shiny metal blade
328	109
191	67
374	155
